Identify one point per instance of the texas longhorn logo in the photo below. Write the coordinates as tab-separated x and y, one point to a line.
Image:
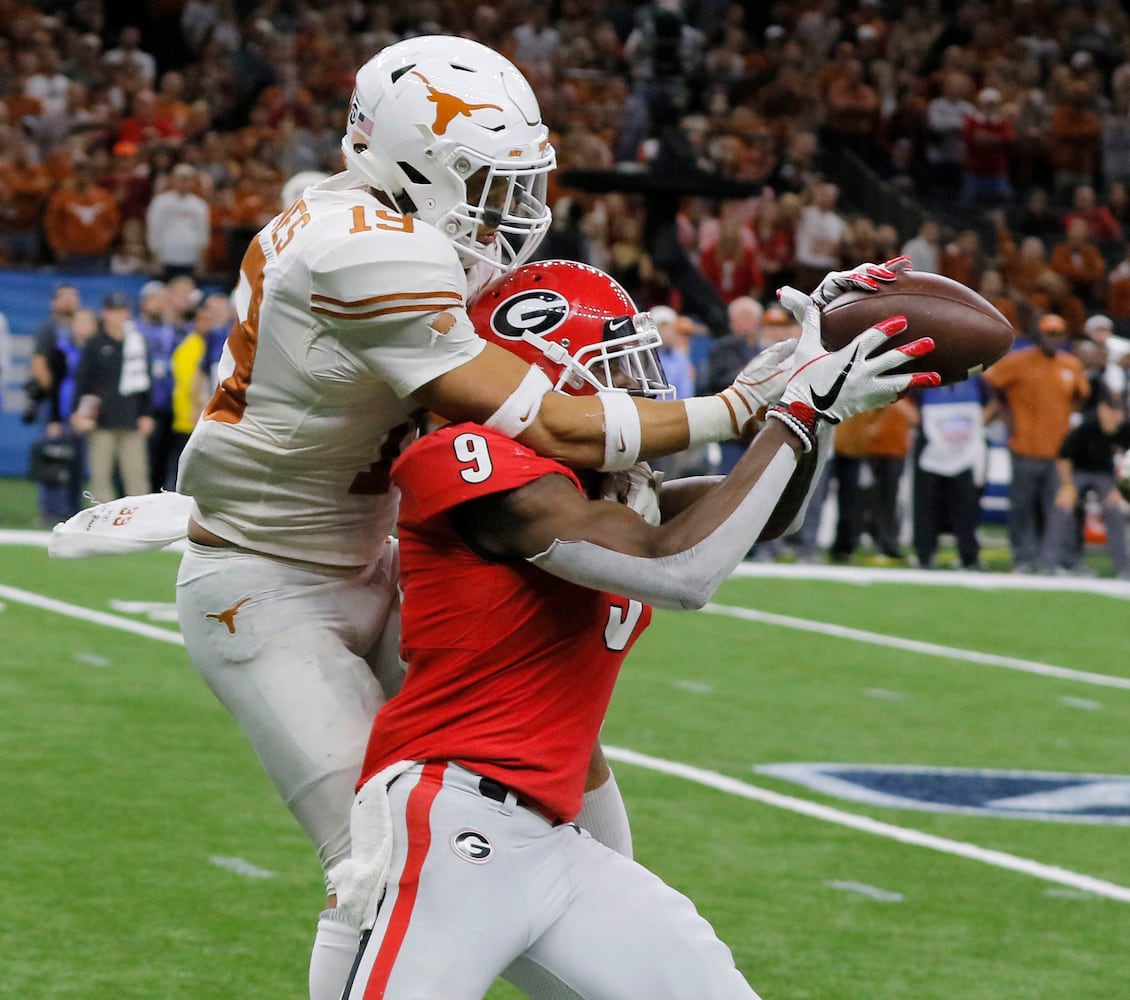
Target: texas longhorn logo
228	616
449	106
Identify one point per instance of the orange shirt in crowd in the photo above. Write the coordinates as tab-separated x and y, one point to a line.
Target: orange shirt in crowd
1041	394
888	434
1118	293
81	221
1080	263
852	435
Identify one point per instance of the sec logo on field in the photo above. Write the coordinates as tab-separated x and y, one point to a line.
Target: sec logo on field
473	846
1055	796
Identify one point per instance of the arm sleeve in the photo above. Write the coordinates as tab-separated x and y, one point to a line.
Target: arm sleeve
686	579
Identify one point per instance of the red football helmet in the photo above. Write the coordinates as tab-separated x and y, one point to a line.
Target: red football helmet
576	324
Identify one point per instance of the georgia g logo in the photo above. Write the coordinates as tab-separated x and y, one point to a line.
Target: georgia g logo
538	311
472	846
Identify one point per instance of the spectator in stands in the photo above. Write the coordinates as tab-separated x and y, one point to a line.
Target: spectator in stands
993	289
1100	329
128	181
846	467
178	225
160	338
730	261
1053	294
1031	160
1076	137
25	186
54	360
1102	227
887	443
925	248
535	38
1024	267
112	388
1080	263
945	119
128	50
1085	465
852	105
145	126
82	222
961	258
1037	218
949	469
774	231
675	354
820	232
729	355
988	139
1118	295
1038	389
191	385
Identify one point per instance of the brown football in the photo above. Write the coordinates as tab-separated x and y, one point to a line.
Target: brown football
969	333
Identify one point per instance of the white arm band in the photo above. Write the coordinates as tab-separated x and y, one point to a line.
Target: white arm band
685	579
708	420
622	434
522	405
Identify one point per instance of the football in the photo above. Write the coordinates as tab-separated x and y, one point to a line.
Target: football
969	333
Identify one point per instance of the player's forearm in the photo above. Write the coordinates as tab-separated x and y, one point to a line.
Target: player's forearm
681	564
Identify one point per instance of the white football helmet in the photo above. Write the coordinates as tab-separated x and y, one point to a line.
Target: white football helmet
451	131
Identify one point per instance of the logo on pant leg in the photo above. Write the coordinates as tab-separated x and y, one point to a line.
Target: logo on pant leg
472	846
228	616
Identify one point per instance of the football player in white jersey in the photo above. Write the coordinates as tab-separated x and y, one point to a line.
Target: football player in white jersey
351	323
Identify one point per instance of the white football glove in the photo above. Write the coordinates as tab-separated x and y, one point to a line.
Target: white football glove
862	278
636	488
830	387
758	385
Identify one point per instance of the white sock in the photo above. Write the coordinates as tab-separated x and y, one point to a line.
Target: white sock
604	816
331	959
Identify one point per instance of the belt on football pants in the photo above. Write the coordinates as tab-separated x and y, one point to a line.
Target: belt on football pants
496	791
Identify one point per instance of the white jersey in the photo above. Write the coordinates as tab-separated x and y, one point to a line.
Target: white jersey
334	331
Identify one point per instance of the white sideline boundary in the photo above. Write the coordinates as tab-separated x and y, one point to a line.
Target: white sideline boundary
916	646
904	835
709	779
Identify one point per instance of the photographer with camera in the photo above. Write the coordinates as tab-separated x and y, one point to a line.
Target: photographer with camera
58	458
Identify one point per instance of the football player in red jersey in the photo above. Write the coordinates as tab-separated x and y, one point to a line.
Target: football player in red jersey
523	591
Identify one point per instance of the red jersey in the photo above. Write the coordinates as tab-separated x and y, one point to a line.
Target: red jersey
510	669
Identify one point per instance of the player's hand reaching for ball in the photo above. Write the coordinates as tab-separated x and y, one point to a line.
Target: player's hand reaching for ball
758	385
831	386
861	278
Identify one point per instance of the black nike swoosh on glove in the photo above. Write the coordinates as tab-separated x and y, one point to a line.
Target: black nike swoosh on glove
825	399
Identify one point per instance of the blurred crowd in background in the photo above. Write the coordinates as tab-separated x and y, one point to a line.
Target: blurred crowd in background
989	141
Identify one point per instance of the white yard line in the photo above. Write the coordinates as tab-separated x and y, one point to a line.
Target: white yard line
915	646
85	614
904	835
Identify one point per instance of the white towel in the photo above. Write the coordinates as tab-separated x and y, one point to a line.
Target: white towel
360	879
131	524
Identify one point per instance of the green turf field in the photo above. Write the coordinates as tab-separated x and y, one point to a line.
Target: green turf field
145	855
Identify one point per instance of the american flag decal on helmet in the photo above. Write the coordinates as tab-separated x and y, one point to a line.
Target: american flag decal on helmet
357	118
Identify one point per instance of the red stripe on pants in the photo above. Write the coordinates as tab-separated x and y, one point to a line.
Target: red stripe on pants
419	842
